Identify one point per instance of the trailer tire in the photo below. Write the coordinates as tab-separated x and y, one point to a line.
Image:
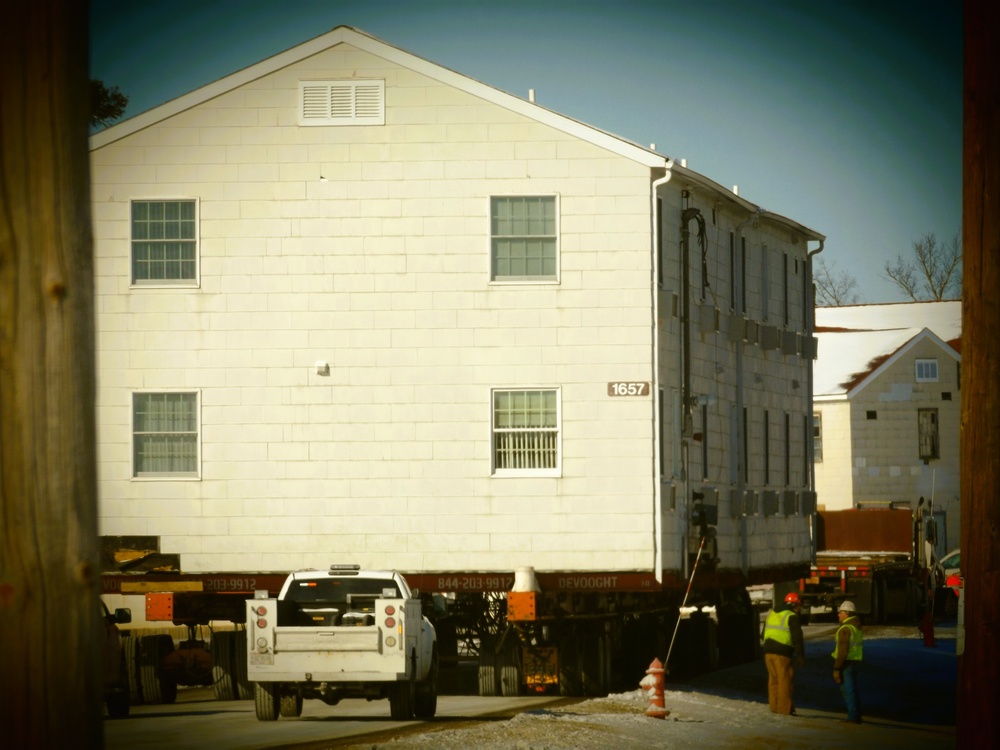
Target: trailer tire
229	666
570	684
489	678
510	668
267	701
156	688
592	658
290	705
130	647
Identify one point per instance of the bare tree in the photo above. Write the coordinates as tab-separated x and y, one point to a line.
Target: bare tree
50	679
934	272
834	288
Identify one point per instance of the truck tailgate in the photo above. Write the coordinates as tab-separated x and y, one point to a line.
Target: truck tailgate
328	639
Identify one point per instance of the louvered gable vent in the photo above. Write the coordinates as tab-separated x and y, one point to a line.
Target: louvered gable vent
342	102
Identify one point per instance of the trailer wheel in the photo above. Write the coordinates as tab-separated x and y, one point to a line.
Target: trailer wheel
570	684
510	667
229	666
592	657
266	701
130	647
425	700
290	705
156	688
489	678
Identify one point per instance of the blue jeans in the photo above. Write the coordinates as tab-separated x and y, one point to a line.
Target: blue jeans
849	689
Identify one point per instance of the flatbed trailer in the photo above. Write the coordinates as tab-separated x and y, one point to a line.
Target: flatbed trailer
866	555
583	634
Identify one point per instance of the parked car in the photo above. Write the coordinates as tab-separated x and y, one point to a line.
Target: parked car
952	563
116	692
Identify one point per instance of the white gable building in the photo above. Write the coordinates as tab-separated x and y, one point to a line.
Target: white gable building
887	408
352	305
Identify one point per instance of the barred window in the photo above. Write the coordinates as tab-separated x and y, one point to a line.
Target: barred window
526	432
164	242
523	238
165	434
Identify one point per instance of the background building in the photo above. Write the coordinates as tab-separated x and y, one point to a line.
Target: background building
887	408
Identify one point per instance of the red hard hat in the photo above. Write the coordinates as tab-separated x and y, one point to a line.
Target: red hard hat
792	598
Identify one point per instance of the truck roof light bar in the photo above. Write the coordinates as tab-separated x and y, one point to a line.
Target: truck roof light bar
344	569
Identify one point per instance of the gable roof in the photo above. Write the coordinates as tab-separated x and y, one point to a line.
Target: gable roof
944	317
368	43
859	342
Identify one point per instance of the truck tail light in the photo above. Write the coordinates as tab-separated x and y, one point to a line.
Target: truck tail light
390	622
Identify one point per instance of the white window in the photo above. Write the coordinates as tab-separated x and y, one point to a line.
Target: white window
165	434
360	102
927	371
164	242
523	238
526	432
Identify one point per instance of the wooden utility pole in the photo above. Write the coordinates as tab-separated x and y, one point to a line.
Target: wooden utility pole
50	630
978	686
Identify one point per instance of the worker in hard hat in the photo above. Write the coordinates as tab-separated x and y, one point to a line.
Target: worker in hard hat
783	643
847	659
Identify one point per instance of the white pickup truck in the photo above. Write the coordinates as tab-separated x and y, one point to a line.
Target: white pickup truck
341	633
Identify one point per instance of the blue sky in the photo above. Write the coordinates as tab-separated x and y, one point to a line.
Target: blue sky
843	115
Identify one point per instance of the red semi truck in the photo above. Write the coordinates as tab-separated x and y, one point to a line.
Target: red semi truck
872	556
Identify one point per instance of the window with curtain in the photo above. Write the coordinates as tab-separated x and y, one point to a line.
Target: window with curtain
526	431
164	242
165	434
523	238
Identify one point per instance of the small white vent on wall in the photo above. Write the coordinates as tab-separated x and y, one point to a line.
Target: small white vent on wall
360	102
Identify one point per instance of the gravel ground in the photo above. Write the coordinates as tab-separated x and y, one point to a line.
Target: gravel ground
908	693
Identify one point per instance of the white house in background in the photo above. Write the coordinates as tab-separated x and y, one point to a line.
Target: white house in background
354	304
887	407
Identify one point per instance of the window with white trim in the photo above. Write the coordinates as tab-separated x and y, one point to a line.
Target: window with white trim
165	434
349	102
926	371
523	238
526	432
164	242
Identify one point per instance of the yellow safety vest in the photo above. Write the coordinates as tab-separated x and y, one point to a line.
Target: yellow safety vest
854	645
776	627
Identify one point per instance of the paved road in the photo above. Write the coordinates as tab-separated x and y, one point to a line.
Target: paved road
197	720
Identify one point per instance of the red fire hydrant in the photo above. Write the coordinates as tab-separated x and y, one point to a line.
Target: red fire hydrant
652	685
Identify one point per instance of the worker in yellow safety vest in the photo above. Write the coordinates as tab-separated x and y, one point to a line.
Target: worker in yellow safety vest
847	656
783	643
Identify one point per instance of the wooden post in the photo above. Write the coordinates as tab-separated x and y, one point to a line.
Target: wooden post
978	688
50	678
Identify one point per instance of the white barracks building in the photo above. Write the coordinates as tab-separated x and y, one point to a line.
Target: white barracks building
355	307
